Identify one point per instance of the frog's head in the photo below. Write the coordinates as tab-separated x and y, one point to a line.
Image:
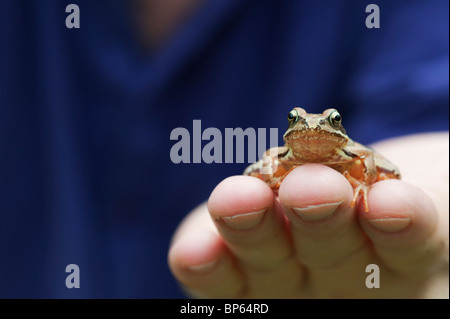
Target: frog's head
315	135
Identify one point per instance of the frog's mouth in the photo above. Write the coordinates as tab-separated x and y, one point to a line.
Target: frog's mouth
314	145
314	136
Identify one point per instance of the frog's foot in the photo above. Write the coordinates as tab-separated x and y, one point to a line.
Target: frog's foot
358	187
254	169
364	189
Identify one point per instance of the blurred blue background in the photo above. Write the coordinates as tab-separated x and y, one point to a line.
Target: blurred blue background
86	115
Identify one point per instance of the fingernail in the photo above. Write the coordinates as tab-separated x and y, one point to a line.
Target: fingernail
244	221
314	213
390	225
202	268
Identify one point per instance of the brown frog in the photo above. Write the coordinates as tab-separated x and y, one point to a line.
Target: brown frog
321	138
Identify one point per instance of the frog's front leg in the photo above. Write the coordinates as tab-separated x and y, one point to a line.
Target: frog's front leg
270	169
358	188
363	173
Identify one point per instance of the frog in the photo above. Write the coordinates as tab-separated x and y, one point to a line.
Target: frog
322	139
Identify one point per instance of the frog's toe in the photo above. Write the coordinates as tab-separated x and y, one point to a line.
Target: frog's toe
361	188
355	196
353	181
366	201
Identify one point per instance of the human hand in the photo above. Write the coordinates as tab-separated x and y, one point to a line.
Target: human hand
309	242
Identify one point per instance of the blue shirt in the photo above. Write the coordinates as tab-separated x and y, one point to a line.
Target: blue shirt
86	176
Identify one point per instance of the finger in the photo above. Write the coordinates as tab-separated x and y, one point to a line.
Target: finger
327	238
402	224
255	230
317	202
200	260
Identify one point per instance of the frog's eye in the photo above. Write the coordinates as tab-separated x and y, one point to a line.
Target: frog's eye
335	119
292	117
